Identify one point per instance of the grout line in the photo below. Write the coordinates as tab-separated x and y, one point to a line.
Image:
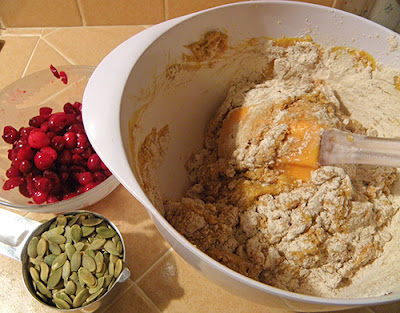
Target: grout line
78	3
166	12
146	297
371	310
117	298
169	251
58	51
30	57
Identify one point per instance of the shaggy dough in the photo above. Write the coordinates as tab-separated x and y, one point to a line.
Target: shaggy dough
296	226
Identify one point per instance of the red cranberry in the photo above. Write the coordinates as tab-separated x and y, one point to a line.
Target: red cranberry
13	182
24	132
65	157
70	195
36	121
69	108
82	141
10	134
51	199
94	162
25	153
45	112
57	122
25	166
54	71
57	143
23	190
78	106
39	197
76	128
87	153
85	178
77	159
44	127
99	176
70	139
63	77
42	184
89	186
45	158
13	172
38	139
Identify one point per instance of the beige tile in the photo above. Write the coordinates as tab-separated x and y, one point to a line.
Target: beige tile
131	301
387	308
177	8
174	286
15	55
88	46
14	297
121	12
43	13
144	244
43	56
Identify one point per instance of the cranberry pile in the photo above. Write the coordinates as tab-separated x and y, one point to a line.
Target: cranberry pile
52	159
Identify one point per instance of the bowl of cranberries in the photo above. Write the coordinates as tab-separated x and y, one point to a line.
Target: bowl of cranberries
47	163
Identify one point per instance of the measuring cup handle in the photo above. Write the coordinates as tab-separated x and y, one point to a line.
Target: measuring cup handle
14	231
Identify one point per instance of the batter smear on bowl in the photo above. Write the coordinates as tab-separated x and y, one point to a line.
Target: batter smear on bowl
259	202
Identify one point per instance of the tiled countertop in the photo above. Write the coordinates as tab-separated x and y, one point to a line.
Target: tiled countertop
161	281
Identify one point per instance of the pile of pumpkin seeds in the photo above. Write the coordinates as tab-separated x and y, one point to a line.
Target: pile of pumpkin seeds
75	261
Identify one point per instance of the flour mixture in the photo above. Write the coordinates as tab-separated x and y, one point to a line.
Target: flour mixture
260	204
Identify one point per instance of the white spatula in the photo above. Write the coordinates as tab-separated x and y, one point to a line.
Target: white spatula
339	147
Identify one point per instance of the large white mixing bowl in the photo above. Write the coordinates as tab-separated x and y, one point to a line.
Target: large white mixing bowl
129	80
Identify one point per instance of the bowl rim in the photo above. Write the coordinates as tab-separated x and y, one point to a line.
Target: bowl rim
76	202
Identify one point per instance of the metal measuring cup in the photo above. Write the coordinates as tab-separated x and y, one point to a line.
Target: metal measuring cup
16	232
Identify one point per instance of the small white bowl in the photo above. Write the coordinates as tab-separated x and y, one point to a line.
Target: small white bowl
19	102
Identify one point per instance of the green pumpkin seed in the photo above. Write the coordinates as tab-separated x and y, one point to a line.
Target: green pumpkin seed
118	268
61	304
74	277
111	283
70	287
54	248
42	247
80	298
87	230
100	284
48	259
41	296
66	271
119	247
32	247
99	259
61	220
107	280
79	246
93	297
73	220
59	261
76	261
87	277
67	234
62	295
105	232
90	252
110	247
34	273
89	263
54	231
111	268
44	272
115	239
97	244
54	279
55	238
76	233
92	221
36	261
114	258
43	289
69	250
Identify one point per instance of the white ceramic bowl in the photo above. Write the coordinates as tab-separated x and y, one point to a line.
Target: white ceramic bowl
129	81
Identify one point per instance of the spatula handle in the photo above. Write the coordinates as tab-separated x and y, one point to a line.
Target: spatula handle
338	147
